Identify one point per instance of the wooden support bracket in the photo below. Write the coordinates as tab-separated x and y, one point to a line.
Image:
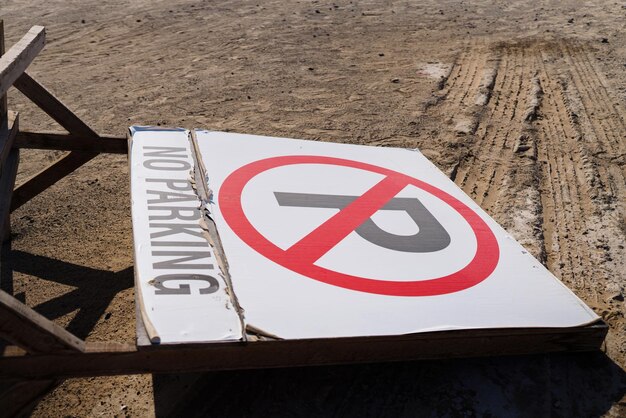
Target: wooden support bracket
33	332
48	176
54	107
67	119
69	142
83	142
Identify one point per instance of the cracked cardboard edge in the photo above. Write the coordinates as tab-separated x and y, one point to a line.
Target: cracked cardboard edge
200	185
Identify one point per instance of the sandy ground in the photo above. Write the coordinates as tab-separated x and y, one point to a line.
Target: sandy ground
522	103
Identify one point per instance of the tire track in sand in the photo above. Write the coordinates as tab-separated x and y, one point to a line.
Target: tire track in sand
542	150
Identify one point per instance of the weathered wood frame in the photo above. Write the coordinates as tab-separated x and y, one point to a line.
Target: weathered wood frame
20	325
44	352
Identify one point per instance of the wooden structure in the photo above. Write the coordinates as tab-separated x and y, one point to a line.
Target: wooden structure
43	352
20	325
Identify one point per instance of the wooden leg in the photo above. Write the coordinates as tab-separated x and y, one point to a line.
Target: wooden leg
7	182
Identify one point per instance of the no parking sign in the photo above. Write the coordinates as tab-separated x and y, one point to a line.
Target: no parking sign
354	215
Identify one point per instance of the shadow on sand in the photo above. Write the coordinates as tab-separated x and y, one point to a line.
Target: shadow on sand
94	289
567	385
570	384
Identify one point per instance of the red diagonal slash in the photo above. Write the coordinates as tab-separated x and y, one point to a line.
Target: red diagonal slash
323	238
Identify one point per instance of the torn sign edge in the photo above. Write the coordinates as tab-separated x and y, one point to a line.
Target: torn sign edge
200	184
147	332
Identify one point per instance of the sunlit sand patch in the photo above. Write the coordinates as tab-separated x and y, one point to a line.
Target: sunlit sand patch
434	70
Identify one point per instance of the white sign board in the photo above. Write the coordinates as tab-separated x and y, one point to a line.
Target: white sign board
328	240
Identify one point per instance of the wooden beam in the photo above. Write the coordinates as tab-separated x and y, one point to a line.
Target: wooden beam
100	360
71	142
35	333
19	57
50	104
7	182
48	176
6	139
3	97
9	160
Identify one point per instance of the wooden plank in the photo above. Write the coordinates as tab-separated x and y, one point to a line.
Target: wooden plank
9	160
7	182
19	57
6	140
70	142
99	360
3	97
50	104
49	176
24	327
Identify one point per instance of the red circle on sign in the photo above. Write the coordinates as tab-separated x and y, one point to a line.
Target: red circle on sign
481	266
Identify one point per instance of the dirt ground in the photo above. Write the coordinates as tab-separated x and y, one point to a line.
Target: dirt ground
522	103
